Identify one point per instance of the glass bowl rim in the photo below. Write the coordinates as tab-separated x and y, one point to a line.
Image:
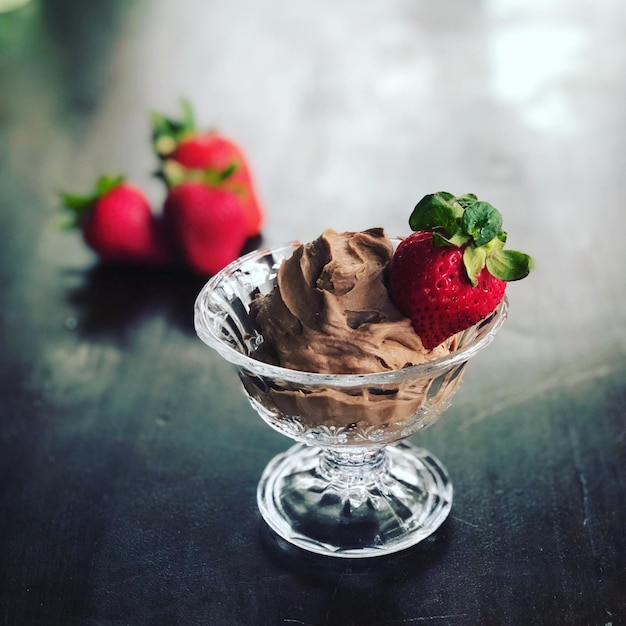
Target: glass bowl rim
206	333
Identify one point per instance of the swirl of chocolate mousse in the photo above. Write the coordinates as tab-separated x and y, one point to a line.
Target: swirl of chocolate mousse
330	311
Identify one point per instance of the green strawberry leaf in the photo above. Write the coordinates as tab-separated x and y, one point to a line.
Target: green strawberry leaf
436	210
466	199
228	171
107	184
167	132
188	121
482	222
457	240
173	173
79	206
474	261
509	264
214	177
75	202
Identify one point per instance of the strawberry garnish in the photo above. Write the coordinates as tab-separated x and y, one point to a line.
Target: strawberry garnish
452	272
187	153
117	223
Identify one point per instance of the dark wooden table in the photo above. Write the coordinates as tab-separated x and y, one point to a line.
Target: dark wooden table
129	457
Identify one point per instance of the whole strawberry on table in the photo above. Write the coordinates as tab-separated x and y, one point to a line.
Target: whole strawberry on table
453	270
210	211
117	223
189	155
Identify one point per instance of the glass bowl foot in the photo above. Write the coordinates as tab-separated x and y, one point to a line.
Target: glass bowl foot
354	502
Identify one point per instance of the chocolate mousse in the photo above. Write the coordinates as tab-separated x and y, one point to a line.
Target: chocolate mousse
331	312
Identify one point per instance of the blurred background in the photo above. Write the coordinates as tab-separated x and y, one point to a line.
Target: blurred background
348	114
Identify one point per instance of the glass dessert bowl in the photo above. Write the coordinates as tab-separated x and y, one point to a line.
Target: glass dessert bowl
352	486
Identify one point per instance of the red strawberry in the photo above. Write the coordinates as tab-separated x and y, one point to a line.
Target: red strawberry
207	225
185	151
453	271
117	223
